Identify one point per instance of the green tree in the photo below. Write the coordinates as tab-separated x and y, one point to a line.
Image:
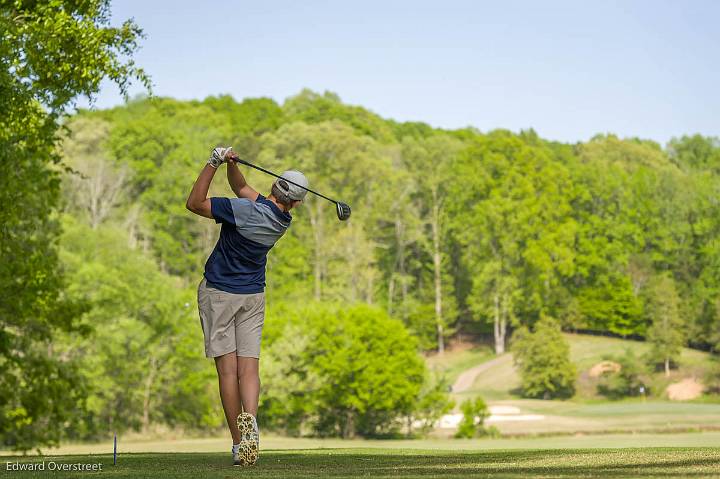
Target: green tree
429	162
288	383
311	107
298	377
371	372
342	371
51	52
164	143
512	215
475	412
140	363
342	165
543	360
667	332
399	234
697	271
609	304
620	225
696	152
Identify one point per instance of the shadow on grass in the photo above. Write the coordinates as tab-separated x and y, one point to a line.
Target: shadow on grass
335	463
607	463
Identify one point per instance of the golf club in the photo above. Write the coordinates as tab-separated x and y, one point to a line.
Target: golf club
343	209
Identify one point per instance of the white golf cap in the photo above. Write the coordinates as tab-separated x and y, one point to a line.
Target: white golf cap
293	192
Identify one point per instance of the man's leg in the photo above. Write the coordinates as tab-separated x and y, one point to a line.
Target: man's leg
248	378
227	369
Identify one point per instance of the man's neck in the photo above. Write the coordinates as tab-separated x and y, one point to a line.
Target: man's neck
282	208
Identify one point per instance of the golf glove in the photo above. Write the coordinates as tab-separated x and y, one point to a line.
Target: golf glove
218	155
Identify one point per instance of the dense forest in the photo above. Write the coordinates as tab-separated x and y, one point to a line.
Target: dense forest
453	232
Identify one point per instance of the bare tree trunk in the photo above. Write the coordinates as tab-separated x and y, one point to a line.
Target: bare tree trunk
103	190
391	292
399	265
147	393
131	226
318	278
667	367
370	296
349	429
437	262
400	239
404	290
499	326
354	280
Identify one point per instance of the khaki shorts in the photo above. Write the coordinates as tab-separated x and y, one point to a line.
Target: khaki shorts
231	322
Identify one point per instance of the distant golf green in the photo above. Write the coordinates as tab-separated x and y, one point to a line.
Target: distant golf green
403	463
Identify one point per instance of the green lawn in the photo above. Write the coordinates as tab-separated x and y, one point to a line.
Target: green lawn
631	416
129	445
402	463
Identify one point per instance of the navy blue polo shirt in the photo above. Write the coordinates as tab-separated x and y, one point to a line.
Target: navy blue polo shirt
249	230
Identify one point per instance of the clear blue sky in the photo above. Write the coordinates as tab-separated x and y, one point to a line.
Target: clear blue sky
569	69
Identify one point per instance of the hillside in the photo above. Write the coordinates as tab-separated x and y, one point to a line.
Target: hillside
500	379
474	371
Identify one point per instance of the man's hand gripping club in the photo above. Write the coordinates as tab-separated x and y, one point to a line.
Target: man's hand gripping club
220	155
197	201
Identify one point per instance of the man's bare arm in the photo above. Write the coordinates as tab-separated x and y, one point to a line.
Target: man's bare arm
197	201
237	179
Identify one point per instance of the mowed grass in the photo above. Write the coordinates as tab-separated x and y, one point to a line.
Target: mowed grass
276	443
632	416
399	463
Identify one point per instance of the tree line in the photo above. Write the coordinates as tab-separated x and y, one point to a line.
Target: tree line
452	231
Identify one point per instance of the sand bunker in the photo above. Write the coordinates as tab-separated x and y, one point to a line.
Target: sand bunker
604	367
688	388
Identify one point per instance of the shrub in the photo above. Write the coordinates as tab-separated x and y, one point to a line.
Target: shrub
342	371
543	360
475	412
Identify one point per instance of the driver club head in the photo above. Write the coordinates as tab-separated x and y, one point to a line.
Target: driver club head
343	211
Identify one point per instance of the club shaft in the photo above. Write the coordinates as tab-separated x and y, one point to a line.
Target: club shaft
245	162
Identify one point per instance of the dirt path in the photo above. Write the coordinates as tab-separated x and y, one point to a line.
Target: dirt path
466	379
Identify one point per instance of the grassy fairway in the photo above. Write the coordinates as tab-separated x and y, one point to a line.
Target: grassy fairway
402	463
276	443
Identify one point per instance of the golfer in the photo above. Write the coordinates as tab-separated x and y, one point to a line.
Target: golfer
231	297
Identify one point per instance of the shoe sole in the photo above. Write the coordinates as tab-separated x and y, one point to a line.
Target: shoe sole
248	440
